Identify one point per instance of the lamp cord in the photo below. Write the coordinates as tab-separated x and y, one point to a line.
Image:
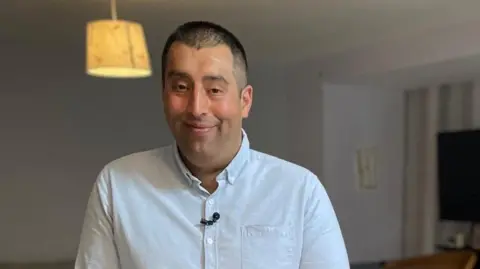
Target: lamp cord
113	9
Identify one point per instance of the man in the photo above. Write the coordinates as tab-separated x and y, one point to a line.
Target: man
208	201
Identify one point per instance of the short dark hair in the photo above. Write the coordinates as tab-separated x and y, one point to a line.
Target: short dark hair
201	34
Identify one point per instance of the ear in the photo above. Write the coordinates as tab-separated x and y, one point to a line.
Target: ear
246	97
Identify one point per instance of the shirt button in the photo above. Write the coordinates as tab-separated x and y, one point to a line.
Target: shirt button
209	241
210	202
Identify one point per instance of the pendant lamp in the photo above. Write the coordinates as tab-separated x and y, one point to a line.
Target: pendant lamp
117	48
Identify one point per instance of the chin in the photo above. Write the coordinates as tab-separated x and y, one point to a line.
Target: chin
194	143
199	148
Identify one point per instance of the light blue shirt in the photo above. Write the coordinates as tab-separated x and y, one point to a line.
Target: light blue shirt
145	209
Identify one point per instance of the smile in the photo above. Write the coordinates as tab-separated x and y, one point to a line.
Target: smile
199	129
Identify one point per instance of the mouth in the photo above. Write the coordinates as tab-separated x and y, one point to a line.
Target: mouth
198	128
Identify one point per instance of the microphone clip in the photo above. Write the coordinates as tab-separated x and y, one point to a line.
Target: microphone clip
215	218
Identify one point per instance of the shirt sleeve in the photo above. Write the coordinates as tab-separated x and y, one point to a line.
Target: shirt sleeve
323	244
97	248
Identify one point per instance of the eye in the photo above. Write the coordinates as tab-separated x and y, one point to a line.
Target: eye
179	87
215	91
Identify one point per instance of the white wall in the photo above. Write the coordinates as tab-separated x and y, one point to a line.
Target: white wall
304	119
356	117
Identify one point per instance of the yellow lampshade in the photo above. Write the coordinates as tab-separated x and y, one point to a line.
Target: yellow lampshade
117	49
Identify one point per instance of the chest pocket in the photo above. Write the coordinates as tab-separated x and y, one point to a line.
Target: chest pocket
267	247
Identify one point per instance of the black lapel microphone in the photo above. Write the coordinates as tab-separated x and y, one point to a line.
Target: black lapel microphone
215	217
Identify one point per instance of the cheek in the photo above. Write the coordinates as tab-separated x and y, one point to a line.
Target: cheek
226	109
174	105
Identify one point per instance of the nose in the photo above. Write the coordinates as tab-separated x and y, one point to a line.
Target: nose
198	102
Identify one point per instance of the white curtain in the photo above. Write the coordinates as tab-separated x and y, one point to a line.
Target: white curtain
428	111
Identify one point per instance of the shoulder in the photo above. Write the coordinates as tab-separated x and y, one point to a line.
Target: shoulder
265	159
142	162
139	159
286	171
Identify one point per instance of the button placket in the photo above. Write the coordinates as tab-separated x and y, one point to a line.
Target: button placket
210	233
210	246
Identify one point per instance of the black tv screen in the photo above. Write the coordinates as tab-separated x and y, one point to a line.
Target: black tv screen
459	175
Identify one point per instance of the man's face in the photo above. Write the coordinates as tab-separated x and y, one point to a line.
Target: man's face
203	104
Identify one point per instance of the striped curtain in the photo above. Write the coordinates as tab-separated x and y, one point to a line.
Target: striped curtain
428	111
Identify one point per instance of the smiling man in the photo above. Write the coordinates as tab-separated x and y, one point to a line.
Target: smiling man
208	200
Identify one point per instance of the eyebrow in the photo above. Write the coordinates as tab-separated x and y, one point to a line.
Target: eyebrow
215	78
174	73
179	74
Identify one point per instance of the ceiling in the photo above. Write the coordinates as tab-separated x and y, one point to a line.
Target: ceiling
275	31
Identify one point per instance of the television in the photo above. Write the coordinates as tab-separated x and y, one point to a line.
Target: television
459	175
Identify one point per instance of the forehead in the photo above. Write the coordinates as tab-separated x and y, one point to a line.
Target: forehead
218	59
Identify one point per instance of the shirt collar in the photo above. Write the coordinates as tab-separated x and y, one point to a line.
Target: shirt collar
230	173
